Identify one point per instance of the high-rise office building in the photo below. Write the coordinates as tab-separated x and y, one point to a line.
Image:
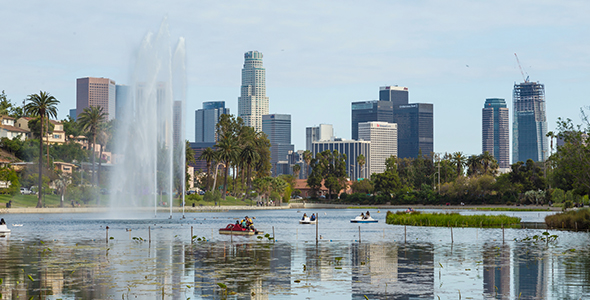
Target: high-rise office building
206	120
123	100
495	131
529	127
415	123
253	102
352	149
383	138
396	94
323	132
278	129
370	111
177	124
73	114
91	91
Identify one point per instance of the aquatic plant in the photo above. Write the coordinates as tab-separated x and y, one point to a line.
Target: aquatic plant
451	219
545	237
573	220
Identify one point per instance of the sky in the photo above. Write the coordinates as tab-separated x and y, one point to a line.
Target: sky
320	56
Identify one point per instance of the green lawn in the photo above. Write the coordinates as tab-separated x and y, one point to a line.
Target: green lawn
53	201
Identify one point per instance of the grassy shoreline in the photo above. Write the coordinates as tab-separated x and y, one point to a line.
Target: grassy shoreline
451	220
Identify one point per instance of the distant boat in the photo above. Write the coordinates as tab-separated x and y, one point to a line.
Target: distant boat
307	220
360	219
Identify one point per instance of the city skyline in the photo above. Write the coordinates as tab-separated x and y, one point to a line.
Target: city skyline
451	55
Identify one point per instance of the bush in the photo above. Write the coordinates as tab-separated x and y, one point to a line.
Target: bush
212	197
579	219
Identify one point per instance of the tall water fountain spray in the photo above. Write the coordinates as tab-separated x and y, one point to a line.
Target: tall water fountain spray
149	142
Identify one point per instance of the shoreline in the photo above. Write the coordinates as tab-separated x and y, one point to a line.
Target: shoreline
190	209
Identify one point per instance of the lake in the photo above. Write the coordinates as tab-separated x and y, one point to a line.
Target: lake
66	256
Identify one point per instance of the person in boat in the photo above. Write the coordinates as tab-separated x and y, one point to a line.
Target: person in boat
2	222
367	215
312	217
249	223
304	216
362	216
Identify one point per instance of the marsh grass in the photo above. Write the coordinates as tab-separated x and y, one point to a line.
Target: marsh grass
574	220
451	219
511	209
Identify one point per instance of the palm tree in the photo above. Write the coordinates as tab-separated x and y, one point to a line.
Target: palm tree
307	156
90	121
41	105
487	160
105	134
227	152
296	170
249	156
474	165
209	155
361	161
459	160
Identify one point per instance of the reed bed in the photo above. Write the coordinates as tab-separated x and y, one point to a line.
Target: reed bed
574	220
512	209
451	220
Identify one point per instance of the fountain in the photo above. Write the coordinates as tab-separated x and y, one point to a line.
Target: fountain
149	142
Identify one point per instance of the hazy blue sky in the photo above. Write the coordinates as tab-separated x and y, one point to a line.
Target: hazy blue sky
319	55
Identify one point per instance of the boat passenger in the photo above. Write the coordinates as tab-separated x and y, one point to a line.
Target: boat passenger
312	217
304	216
362	216
367	215
2	222
243	224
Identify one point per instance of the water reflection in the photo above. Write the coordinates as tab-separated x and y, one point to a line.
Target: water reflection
169	267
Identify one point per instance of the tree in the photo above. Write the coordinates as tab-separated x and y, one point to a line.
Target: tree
209	155
361	160
249	156
388	182
105	136
296	170
460	161
307	156
41	105
227	151
90	121
329	166
473	165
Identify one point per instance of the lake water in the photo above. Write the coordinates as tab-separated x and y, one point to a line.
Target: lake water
66	256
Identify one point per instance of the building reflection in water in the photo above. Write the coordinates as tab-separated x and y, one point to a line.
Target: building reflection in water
497	270
391	271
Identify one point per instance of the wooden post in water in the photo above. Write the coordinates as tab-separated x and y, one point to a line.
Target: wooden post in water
317	221
149	234
502	233
452	240
107	234
191	234
273	234
359	234
576	226
405	233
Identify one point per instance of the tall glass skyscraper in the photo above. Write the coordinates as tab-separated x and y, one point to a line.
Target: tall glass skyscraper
495	132
370	111
206	121
278	129
253	103
529	127
415	134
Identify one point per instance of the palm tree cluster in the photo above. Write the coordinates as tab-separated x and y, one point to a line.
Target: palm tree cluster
240	148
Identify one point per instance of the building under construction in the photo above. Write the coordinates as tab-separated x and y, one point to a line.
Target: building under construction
529	128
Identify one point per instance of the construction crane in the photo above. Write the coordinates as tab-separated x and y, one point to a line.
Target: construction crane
526	79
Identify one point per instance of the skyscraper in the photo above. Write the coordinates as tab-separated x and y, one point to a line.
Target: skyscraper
323	132
253	102
124	102
370	111
529	127
383	138
206	120
397	95
278	129
415	123
495	131
96	92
